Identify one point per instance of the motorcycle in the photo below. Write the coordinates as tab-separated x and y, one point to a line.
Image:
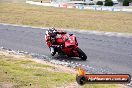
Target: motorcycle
64	43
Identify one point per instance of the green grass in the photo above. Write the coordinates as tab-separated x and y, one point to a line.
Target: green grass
33	15
24	73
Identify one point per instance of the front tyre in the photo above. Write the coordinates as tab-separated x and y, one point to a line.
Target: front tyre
82	55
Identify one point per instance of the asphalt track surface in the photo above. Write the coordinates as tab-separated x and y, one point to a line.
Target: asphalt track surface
110	53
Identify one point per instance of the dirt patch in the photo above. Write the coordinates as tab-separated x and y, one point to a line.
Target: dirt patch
7	85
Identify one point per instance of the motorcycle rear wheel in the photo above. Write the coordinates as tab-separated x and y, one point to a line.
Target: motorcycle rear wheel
82	55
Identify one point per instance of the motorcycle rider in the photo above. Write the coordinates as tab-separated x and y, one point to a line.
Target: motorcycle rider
53	34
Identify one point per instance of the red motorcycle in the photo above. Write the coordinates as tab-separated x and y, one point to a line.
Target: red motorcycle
63	43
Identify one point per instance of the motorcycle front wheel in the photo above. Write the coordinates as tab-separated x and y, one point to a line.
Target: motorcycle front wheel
82	55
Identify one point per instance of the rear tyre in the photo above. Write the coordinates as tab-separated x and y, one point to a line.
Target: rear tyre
52	51
82	55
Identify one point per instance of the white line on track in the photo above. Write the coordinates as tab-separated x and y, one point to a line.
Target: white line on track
116	34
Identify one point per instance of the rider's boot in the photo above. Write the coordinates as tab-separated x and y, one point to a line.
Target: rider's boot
52	50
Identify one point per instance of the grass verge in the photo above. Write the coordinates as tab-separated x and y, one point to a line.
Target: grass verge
21	72
25	14
12	1
43	1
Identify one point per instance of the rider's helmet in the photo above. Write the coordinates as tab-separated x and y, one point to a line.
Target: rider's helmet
51	32
54	30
